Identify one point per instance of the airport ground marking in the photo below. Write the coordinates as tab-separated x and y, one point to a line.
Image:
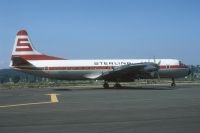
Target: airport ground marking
53	98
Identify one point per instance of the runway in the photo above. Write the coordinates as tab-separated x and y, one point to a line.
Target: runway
94	110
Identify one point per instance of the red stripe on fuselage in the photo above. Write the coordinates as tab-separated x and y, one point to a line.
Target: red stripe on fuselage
78	68
83	68
172	66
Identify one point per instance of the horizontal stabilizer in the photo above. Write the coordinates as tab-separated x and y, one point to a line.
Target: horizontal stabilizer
19	61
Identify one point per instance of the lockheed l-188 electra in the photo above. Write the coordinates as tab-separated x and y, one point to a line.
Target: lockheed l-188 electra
27	59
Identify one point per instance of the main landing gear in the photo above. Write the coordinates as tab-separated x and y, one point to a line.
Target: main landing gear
173	84
117	85
106	85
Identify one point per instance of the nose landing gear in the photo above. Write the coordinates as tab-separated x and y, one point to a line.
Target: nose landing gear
105	85
173	84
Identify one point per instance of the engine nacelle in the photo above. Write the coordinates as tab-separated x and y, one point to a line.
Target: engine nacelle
150	68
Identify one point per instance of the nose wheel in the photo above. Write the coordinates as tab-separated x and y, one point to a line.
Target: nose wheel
173	84
117	85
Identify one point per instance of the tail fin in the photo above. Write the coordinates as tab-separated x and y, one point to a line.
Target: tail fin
23	48
23	45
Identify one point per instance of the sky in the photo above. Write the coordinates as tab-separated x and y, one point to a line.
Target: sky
104	29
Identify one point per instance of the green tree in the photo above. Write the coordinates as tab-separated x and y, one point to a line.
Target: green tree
16	79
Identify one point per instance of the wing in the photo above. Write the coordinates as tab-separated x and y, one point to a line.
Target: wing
130	72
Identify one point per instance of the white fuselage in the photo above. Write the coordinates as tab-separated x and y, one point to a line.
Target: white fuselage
90	69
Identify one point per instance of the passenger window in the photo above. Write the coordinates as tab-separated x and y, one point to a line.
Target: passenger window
167	66
46	68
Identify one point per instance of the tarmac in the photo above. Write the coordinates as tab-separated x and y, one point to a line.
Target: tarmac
95	110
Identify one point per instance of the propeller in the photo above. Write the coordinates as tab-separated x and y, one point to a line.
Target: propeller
158	67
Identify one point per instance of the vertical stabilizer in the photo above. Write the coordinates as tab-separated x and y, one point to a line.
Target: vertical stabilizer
23	45
24	49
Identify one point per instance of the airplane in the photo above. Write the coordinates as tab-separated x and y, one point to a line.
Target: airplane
27	59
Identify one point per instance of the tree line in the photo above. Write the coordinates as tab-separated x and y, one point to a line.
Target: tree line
10	75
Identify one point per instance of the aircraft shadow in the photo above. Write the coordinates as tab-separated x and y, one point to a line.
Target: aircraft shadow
122	88
142	88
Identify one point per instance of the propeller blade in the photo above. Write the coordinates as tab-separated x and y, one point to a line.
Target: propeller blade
159	62
158	76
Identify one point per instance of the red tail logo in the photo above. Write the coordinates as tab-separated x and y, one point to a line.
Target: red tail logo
23	44
23	48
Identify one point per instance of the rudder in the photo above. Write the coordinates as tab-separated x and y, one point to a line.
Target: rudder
23	45
24	49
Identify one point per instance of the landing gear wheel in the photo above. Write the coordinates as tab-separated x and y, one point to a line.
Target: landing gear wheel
117	85
105	85
173	84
